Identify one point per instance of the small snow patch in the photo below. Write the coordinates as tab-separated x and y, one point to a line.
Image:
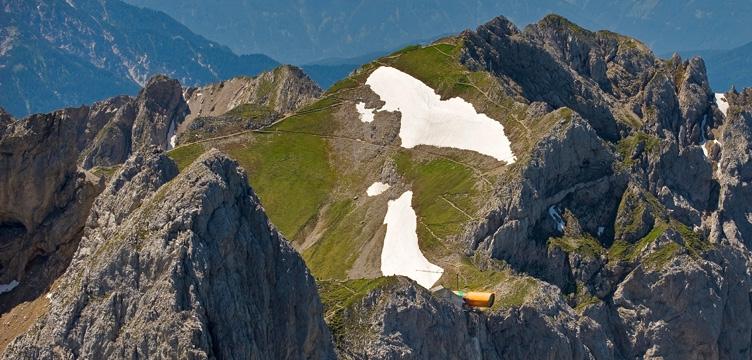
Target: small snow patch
704	138
559	220
377	188
702	132
721	102
401	254
428	120
171	136
366	115
8	287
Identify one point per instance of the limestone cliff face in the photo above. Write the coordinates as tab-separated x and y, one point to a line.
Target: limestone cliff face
44	196
181	265
137	123
635	184
404	321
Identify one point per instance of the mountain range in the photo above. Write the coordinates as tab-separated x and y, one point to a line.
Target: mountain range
56	53
598	191
346	29
115	48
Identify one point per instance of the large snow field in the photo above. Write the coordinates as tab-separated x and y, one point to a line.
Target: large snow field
401	254
721	102
377	188
428	120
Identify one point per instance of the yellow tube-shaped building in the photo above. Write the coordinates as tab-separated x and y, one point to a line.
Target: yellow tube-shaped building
477	299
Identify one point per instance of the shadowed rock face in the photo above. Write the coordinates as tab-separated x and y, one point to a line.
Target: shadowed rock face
5	120
185	265
43	199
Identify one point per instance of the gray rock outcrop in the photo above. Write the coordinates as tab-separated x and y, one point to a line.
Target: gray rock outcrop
402	320
137	123
181	265
244	103
284	90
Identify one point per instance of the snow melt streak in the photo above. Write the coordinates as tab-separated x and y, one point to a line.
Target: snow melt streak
401	254
171	136
555	215
428	120
704	138
720	100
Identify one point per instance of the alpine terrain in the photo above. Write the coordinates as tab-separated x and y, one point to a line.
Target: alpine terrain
599	192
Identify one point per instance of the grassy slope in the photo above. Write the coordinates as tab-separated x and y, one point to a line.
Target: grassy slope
303	181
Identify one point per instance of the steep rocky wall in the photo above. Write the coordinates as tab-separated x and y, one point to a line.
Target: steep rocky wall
184	266
653	229
44	197
137	123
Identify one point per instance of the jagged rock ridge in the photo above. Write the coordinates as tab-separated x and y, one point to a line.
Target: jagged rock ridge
244	103
185	265
652	258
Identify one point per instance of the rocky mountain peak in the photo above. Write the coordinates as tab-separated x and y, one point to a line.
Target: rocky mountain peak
244	103
182	264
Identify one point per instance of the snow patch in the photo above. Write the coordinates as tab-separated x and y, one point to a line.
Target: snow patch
366	115
721	102
8	287
377	188
557	217
401	254
705	139
171	136
428	120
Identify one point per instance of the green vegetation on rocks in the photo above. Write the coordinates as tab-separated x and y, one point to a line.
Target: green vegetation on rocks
185	155
290	173
586	246
337	296
628	148
443	192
